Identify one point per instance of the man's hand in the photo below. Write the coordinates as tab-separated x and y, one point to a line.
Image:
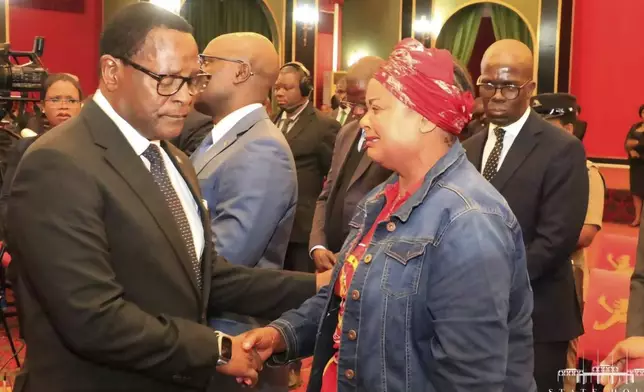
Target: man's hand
323	279
629	349
264	341
324	259
244	364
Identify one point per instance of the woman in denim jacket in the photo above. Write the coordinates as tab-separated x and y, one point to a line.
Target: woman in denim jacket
432	293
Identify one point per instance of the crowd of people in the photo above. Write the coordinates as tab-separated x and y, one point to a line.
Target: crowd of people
171	234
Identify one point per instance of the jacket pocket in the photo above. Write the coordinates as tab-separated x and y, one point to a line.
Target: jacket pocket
403	265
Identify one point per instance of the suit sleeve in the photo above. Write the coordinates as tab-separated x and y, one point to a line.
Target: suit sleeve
562	210
325	148
262	293
318	236
57	233
253	196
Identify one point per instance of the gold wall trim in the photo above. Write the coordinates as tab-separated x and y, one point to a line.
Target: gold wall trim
6	21
315	56
572	42
280	32
535	76
400	21
413	16
293	31
557	46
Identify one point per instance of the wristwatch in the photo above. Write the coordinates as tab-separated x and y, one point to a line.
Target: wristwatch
225	346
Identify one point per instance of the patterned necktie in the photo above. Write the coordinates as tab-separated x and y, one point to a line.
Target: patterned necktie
161	177
285	123
493	160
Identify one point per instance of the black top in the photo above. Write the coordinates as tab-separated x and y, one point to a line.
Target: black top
338	228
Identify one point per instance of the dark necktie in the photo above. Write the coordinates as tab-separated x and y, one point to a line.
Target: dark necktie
285	123
493	160
161	177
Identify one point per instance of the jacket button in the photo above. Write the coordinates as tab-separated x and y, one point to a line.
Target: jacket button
350	374
391	226
367	259
352	335
355	295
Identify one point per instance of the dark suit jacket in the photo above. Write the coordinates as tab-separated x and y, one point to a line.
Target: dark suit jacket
109	297
367	176
311	139
13	158
194	131
545	181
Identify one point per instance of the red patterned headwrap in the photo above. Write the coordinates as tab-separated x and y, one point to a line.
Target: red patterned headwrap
423	80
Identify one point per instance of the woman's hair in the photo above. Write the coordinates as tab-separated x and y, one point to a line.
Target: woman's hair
641	110
64	77
462	78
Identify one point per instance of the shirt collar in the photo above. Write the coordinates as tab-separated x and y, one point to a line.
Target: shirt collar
296	115
138	142
514	128
227	123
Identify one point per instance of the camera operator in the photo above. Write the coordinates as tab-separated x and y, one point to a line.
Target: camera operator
63	96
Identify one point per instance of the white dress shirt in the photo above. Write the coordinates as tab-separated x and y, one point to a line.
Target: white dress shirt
343	112
227	123
139	144
511	133
294	118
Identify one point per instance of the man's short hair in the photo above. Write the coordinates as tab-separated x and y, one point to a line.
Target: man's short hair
126	32
641	110
64	77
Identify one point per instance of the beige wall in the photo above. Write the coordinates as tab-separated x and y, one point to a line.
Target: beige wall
372	26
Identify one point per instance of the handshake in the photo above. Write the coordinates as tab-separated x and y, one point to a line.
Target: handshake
249	352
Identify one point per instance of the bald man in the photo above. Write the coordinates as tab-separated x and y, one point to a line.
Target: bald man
245	169
352	175
541	172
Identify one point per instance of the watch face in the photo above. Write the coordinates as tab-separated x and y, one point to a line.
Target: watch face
226	348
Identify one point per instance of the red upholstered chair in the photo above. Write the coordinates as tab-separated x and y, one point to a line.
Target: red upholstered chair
604	314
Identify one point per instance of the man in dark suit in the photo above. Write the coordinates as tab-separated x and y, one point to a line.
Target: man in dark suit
541	172
112	240
353	174
311	136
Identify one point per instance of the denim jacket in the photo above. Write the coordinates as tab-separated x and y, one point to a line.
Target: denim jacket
440	302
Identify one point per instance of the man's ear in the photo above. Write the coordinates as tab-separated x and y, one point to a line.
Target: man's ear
111	74
243	73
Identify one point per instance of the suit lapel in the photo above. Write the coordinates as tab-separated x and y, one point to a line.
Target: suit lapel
521	148
303	120
229	138
119	155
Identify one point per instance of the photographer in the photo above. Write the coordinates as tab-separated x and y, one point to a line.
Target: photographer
63	96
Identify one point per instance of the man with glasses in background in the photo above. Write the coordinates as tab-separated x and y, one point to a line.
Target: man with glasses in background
352	175
112	240
541	172
246	170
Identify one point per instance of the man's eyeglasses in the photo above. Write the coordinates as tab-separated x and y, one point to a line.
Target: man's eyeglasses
56	101
354	106
206	58
510	91
169	85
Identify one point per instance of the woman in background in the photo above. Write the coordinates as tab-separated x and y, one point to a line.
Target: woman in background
63	97
634	146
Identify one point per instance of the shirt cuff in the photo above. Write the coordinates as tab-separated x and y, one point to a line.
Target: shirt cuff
314	248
